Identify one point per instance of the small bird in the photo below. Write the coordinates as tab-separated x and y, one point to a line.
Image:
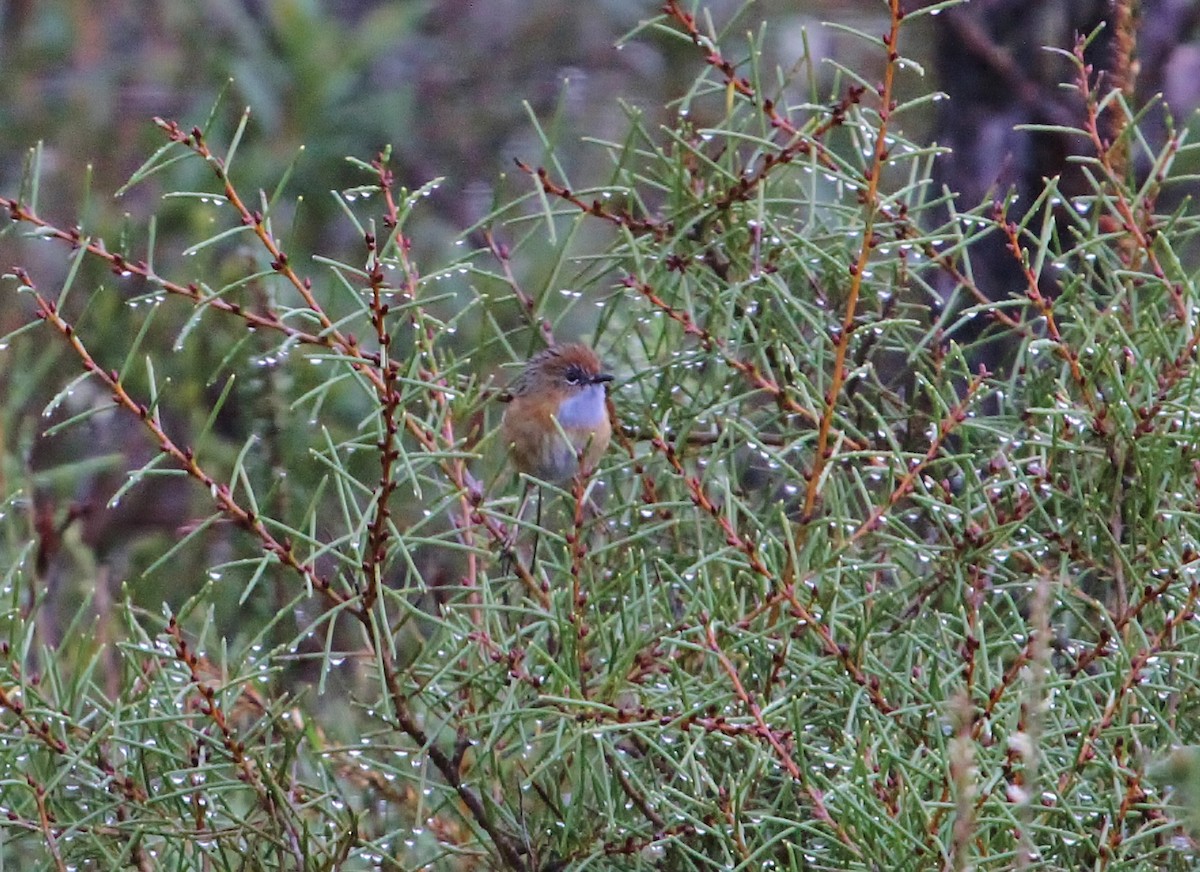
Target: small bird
560	393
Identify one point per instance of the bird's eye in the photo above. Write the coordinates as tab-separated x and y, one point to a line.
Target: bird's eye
576	375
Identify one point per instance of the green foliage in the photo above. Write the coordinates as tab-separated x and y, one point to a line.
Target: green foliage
837	598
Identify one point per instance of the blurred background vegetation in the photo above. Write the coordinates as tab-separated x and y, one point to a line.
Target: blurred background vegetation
457	91
450	85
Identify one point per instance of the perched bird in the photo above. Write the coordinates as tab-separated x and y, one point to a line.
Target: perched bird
560	393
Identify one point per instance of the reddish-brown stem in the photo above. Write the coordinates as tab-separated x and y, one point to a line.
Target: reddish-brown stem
527	303
579	596
379	533
1139	227
211	708
47	822
750	371
777	743
1045	308
221	493
871	212
917	468
596	208
743	543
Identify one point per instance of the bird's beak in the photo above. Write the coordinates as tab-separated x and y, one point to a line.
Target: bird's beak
601	378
